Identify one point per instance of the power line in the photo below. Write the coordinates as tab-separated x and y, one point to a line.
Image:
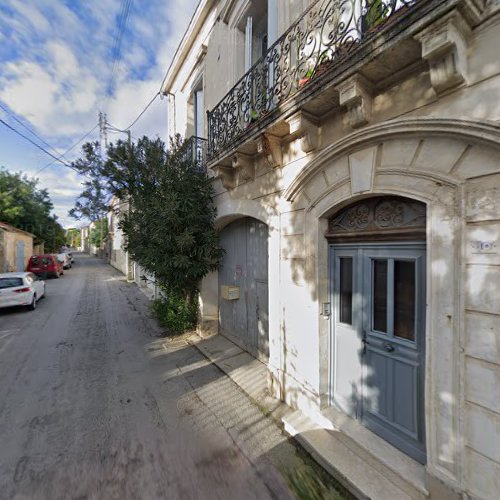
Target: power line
138	116
117	44
35	144
26	127
143	111
69	149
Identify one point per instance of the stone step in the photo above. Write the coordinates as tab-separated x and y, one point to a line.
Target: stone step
354	466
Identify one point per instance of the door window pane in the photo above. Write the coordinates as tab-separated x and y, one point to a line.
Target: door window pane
380	295
345	290
404	299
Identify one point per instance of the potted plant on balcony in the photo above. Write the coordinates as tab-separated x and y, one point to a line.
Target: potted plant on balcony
303	81
380	15
325	62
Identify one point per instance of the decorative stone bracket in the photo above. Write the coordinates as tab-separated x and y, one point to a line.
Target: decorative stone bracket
355	94
244	167
305	126
270	146
227	175
444	46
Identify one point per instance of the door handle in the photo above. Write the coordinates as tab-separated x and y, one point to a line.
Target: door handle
388	347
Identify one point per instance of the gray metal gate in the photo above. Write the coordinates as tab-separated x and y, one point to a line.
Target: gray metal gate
245	265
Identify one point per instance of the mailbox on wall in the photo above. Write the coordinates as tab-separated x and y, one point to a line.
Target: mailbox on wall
230	292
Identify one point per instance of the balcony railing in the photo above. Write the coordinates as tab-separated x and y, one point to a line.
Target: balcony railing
194	150
317	42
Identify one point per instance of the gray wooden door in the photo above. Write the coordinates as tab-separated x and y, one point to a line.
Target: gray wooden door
20	256
379	339
245	264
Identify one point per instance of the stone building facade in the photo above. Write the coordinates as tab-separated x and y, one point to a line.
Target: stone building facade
355	155
16	248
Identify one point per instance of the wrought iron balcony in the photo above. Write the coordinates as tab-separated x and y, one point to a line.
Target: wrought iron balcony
194	150
322	40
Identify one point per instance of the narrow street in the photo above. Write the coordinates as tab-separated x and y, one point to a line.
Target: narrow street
94	404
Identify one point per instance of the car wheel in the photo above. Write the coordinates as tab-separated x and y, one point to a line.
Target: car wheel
32	306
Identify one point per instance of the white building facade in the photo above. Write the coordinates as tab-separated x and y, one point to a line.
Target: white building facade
355	153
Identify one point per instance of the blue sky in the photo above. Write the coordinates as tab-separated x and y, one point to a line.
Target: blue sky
56	75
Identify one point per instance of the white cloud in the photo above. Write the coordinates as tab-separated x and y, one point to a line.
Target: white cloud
56	68
31	14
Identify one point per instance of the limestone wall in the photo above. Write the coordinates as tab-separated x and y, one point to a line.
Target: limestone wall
442	148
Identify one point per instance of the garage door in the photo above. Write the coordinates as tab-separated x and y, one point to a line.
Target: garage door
245	267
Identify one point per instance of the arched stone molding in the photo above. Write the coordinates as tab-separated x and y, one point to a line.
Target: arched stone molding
432	161
471	135
232	209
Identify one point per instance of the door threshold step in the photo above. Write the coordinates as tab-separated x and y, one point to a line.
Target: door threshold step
358	470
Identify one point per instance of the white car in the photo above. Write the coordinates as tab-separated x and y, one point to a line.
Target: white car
20	289
65	258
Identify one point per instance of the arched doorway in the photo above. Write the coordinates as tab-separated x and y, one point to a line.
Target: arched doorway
377	253
243	285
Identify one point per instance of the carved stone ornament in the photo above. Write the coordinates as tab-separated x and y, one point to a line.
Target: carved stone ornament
355	95
377	217
306	127
444	46
270	146
244	166
227	175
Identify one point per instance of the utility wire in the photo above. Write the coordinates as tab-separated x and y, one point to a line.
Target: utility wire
14	117
143	111
117	44
73	146
138	116
35	144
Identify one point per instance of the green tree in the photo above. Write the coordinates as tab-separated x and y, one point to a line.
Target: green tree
73	237
27	207
169	228
93	202
98	232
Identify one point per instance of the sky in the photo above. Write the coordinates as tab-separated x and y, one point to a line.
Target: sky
58	70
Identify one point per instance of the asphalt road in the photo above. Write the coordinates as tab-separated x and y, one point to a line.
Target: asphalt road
93	404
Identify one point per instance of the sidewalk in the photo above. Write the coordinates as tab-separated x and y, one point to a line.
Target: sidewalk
352	467
373	470
266	435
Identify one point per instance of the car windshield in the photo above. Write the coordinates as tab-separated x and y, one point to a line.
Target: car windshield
10	282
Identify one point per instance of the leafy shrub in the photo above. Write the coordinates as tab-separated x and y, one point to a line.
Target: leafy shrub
176	313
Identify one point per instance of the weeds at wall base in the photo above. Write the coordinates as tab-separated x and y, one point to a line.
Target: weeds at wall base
177	315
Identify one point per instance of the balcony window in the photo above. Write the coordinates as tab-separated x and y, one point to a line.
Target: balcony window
199	111
319	42
254	26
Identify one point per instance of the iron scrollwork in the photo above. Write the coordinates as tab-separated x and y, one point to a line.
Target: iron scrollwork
320	39
194	150
379	214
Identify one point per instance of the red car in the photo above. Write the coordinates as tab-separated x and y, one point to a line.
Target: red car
45	265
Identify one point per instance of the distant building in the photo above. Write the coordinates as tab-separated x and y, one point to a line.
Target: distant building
118	257
84	240
16	247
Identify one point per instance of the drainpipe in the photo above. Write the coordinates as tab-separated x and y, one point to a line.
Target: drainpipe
169	95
